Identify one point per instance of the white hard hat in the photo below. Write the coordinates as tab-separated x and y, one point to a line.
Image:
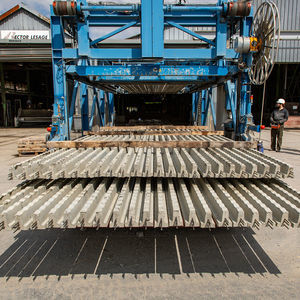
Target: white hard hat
280	101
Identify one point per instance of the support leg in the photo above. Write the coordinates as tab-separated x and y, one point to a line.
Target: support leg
84	106
59	131
72	106
195	108
3	95
111	109
203	106
102	108
93	111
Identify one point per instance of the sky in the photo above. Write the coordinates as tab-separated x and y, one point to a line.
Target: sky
43	7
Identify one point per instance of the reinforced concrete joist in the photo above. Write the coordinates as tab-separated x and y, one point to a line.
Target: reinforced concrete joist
160	187
151	162
146	202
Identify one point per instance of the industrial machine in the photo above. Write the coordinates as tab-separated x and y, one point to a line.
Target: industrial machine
242	51
160	175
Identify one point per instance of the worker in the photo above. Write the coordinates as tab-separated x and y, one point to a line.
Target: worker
278	117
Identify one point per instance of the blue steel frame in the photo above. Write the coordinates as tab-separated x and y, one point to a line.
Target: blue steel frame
198	68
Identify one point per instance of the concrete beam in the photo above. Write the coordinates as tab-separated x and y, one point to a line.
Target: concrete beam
144	202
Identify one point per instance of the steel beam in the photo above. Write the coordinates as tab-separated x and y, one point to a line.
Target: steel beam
191	33
180	72
98	40
152	28
136	54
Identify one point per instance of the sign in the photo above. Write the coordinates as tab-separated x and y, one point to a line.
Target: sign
19	35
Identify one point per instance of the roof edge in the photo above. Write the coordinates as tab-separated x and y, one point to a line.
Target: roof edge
20	6
9	12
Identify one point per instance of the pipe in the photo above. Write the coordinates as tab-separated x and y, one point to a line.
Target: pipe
137	7
232	9
193	8
72	8
110	8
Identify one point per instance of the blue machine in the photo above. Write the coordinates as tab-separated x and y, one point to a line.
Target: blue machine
105	72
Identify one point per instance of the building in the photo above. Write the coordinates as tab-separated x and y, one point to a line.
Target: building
25	62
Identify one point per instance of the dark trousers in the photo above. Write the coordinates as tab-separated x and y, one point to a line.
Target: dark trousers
276	138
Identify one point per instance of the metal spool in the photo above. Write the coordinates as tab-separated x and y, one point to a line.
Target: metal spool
65	8
239	9
266	28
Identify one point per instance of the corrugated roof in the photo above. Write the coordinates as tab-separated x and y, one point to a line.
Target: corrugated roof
20	6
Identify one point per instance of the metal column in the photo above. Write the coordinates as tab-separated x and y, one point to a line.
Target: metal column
3	95
152	28
195	108
84	106
59	121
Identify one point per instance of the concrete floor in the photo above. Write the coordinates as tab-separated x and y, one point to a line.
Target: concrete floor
74	264
9	154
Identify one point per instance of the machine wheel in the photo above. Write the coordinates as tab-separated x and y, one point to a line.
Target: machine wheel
266	28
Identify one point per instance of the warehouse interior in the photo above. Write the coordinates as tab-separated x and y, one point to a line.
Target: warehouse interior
27	86
25	66
165	109
284	82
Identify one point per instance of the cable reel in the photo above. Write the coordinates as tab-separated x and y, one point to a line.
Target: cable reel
263	42
266	29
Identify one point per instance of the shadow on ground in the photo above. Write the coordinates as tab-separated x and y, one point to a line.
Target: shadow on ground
284	150
71	252
290	151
